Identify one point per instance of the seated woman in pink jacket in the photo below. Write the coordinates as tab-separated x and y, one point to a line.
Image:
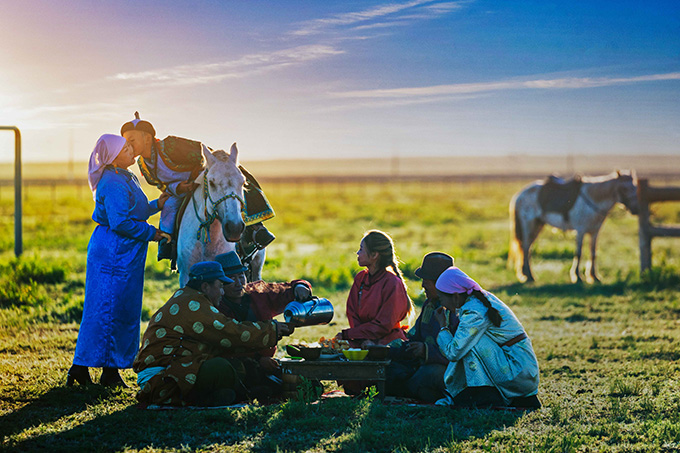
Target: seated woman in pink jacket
377	302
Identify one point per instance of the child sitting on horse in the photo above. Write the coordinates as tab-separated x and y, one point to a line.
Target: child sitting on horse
172	165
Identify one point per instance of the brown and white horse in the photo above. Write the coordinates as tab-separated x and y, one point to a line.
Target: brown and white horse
596	197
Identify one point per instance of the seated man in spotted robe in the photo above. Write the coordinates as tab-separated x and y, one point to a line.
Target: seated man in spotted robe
172	165
181	360
257	301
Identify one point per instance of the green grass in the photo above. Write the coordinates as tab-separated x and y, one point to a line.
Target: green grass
610	368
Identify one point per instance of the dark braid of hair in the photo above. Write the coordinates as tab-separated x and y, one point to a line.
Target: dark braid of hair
395	267
491	312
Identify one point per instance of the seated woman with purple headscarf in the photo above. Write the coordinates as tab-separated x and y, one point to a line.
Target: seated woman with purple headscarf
492	362
116	255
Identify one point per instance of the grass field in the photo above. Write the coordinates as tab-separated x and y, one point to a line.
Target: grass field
609	354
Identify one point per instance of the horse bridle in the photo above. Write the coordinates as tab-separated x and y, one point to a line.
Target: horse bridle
203	233
591	204
623	196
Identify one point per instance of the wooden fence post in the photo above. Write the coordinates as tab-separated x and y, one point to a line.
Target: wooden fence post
647	195
644	226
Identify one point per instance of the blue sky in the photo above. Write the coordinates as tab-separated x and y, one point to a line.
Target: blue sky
322	79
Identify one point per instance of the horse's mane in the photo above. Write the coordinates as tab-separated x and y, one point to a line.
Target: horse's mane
221	154
608	177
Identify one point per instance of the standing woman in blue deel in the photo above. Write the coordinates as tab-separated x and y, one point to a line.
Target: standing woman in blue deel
116	255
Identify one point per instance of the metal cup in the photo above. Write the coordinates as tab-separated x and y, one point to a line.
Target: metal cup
311	313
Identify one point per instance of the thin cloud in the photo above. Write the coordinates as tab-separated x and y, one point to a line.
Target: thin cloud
472	88
397	102
372	19
389	14
248	65
59	116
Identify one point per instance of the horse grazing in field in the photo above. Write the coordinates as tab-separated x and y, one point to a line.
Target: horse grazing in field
212	222
580	205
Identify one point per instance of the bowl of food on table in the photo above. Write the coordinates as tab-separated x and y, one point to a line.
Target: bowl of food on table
355	353
331	348
377	352
298	351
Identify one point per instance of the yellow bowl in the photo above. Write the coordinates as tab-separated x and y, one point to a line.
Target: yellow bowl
355	354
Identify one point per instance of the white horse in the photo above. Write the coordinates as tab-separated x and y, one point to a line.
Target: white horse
593	202
212	222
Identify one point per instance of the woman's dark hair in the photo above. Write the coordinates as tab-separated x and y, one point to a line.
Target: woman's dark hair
377	241
491	312
194	283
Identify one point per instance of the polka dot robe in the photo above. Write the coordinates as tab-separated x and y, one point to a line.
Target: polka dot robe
184	333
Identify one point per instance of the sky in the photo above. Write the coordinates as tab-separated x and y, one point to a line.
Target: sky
344	79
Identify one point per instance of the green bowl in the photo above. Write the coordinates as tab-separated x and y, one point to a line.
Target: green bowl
356	354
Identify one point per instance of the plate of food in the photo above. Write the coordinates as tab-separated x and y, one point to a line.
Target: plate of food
331	348
303	352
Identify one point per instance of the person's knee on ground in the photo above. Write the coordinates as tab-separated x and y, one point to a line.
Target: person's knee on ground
427	383
397	375
483	396
215	384
526	402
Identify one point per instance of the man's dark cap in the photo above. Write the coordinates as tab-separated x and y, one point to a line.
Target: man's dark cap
434	263
208	271
138	125
231	263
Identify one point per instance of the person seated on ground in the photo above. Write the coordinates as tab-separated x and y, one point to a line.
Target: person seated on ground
172	165
180	362
417	366
257	301
492	360
377	302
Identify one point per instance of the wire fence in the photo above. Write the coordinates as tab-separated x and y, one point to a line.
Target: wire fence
325	185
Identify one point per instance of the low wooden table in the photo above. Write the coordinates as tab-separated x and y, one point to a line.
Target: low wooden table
339	370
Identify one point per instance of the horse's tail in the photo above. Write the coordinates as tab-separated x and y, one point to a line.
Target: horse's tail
515	251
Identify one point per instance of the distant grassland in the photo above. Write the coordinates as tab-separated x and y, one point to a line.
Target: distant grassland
422	165
609	356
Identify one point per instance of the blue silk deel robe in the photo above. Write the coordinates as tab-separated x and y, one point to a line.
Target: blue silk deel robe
114	283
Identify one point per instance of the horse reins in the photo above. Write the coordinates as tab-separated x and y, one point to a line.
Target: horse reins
203	233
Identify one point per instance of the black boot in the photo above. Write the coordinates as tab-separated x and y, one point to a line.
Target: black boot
256	236
111	378
164	250
79	374
262	237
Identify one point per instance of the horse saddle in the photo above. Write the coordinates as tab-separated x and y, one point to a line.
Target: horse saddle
559	195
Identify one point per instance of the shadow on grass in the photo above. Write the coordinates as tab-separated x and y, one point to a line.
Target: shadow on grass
339	424
366	425
654	279
52	406
567	289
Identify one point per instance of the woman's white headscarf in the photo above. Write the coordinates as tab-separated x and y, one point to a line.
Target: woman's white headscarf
453	281
105	152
